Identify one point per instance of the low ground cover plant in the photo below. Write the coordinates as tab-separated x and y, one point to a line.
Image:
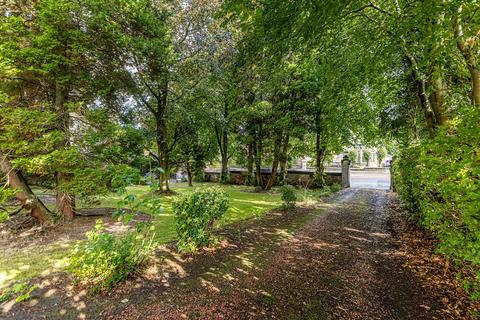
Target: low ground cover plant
20	291
195	215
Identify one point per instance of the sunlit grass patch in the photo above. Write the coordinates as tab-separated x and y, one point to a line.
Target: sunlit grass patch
22	265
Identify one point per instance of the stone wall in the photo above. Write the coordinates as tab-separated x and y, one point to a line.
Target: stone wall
294	177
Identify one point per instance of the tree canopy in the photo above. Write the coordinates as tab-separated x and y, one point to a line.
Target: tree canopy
95	90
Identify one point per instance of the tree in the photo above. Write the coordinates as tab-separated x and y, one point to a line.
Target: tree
50	80
381	155
156	49
367	156
352	155
468	43
198	145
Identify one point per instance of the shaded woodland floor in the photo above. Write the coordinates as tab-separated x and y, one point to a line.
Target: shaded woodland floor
352	256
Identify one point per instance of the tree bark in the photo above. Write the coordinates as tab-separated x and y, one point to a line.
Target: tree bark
276	159
437	97
189	174
258	149
284	159
475	74
319	162
222	140
251	178
64	202
436	77
320	152
464	46
162	140
162	150
421	93
24	194
225	174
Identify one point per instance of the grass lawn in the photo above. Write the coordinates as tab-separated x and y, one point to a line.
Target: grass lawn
30	261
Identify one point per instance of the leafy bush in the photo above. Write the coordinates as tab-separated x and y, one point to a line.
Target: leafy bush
439	179
335	187
104	259
328	190
195	214
289	196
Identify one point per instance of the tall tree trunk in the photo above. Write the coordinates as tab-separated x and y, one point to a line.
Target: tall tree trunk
189	174
258	149
465	47
64	202
284	159
276	159
222	140
413	119
436	76
250	178
437	97
24	194
421	93
162	150
162	140
320	152
475	75
225	174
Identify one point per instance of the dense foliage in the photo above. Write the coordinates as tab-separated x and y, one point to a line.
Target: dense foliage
415	65
195	215
91	90
439	179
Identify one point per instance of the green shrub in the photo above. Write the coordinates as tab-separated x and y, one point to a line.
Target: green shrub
289	196
335	187
104	259
195	214
319	179
439	179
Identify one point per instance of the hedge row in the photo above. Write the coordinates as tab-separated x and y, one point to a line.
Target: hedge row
439	179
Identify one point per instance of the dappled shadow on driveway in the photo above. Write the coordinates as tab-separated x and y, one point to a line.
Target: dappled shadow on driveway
335	260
